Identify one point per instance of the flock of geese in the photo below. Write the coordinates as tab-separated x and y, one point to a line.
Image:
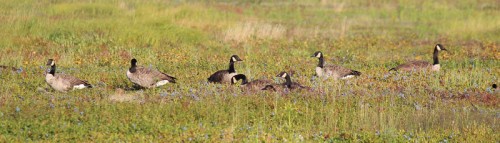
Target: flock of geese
150	78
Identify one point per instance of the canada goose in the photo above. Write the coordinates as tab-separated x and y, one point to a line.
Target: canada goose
146	77
288	83
335	71
63	82
252	85
224	76
422	65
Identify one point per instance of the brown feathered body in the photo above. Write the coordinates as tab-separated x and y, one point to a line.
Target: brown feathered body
63	82
336	72
149	78
256	85
222	76
332	71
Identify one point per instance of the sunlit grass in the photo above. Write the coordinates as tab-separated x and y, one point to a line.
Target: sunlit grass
95	40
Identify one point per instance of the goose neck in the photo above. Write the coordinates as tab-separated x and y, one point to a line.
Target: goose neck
321	62
288	81
435	57
52	70
231	67
133	68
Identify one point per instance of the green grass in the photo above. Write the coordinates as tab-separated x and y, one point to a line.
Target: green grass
95	40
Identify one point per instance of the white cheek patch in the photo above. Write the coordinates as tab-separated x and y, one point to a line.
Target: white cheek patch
233	80
80	86
284	75
438	47
52	63
319	55
234	59
160	83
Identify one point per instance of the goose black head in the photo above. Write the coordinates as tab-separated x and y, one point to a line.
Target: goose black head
51	62
133	66
440	47
238	77
282	74
133	62
494	86
317	54
235	58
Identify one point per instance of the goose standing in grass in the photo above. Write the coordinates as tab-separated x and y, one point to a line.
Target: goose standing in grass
288	83
63	82
146	77
334	71
252	85
422	65
225	76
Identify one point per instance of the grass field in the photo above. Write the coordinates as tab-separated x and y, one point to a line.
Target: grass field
95	40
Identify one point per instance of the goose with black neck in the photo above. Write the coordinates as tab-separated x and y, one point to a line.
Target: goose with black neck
422	65
225	76
334	71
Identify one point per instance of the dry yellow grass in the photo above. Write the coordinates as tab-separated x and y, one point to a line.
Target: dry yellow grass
245	31
120	95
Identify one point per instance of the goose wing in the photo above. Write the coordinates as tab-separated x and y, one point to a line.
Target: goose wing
274	87
73	81
258	84
163	76
218	76
152	75
341	71
295	85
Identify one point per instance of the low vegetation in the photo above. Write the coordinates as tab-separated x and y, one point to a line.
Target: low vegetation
95	40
